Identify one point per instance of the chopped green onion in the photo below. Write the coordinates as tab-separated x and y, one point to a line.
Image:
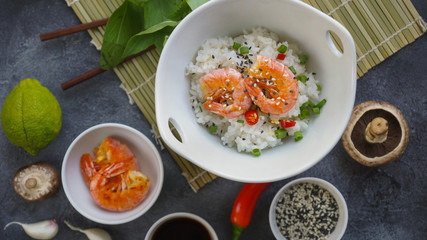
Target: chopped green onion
321	103
201	110
302	78
303	111
292	69
256	152
204	100
240	121
212	129
319	88
298	136
282	49
280	133
316	110
236	45
310	104
303	59
244	50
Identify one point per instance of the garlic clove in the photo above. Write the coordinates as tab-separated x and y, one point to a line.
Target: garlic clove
91	233
43	230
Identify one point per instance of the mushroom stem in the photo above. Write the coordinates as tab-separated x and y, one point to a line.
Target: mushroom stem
31	183
376	131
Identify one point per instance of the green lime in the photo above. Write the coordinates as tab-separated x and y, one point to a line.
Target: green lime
31	116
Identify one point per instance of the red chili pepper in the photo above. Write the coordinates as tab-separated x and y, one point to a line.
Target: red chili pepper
244	206
251	117
287	123
281	56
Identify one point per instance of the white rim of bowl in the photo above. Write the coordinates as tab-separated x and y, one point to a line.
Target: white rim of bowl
164	219
342	205
156	193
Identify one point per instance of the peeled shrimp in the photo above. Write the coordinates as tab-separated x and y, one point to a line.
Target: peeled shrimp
110	151
225	93
271	86
117	187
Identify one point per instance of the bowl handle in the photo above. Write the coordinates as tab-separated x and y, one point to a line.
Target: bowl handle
349	49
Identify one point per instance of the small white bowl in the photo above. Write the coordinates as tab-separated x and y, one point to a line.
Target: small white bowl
342	206
77	190
171	216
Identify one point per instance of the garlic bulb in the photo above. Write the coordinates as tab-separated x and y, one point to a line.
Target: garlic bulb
40	230
91	233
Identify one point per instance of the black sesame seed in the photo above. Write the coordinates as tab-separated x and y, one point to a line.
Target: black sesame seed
291	91
243	139
213	56
260	69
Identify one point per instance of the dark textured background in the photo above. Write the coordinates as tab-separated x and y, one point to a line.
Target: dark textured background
388	202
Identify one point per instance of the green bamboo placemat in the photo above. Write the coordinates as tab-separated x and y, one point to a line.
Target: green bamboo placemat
379	28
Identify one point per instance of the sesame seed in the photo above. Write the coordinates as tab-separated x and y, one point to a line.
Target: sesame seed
277	104
306	211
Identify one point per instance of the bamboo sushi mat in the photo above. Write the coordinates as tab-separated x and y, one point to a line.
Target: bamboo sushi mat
379	29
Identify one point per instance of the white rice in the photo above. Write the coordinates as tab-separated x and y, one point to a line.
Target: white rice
219	53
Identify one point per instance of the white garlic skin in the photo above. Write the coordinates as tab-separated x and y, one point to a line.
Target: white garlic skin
43	230
91	233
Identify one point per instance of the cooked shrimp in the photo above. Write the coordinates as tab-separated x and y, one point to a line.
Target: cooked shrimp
272	86
224	92
117	187
110	151
87	166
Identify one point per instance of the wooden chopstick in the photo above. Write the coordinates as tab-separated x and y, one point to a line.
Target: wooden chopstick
97	70
78	28
73	29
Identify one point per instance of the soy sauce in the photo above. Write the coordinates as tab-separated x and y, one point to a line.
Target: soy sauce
183	229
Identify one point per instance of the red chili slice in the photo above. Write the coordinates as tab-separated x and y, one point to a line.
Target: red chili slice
251	117
287	123
281	56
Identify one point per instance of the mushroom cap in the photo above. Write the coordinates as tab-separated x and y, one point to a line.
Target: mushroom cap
36	182
375	154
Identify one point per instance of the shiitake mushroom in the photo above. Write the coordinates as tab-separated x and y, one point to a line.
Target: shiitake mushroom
36	182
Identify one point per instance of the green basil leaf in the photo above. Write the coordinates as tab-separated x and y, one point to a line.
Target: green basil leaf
181	12
157	11
196	3
154	35
125	22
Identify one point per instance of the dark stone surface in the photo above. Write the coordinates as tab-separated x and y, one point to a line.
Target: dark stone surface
387	202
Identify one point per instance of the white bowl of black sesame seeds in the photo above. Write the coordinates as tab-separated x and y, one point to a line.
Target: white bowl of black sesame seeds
308	208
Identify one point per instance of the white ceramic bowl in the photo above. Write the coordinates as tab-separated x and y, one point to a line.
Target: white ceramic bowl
171	216
292	20
343	211
77	190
